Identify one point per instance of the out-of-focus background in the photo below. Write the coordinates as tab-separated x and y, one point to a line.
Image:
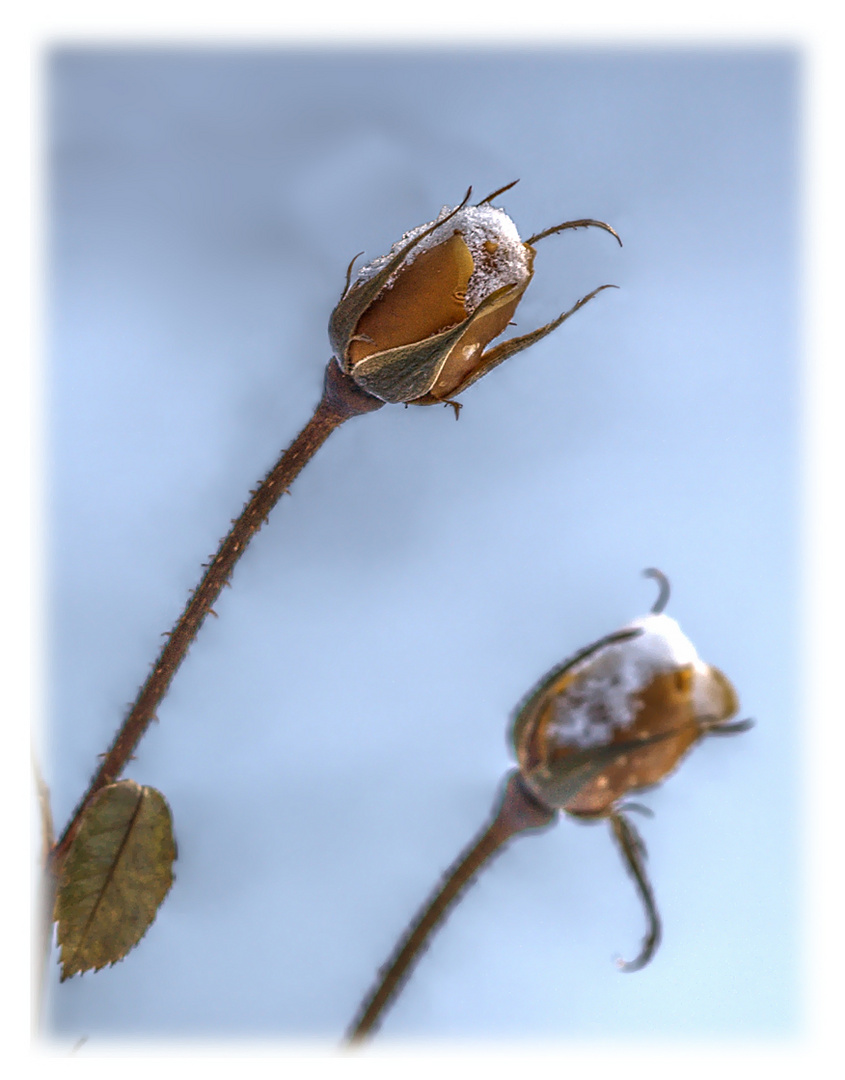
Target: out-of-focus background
338	734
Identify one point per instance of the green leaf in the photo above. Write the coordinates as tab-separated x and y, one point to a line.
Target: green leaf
116	875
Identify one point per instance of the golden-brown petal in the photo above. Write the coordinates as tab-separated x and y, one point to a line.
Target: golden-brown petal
426	298
407	372
715	696
356	298
665	705
466	354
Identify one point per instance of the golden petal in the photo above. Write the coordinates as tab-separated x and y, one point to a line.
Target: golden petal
466	354
426	298
716	698
665	706
357	298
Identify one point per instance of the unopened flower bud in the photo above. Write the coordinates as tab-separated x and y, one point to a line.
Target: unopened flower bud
622	713
415	323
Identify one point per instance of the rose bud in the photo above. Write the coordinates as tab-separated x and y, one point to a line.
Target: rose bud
618	717
414	325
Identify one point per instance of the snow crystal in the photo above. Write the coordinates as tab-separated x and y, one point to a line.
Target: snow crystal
603	698
500	257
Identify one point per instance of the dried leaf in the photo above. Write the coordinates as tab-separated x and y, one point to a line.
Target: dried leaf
115	876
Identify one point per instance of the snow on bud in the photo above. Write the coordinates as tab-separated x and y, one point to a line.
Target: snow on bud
415	323
628	707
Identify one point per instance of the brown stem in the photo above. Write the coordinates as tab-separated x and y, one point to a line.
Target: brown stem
517	811
43	922
341	400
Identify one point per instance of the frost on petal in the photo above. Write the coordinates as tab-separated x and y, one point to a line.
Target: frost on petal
499	256
602	694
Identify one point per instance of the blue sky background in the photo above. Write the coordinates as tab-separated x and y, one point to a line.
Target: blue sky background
337	735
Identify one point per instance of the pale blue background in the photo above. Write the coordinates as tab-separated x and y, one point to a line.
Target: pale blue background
337	735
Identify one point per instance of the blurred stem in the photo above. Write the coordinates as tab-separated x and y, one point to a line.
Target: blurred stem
45	813
341	400
43	928
518	810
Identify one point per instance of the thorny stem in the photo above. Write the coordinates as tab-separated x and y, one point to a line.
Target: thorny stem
517	811
341	399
